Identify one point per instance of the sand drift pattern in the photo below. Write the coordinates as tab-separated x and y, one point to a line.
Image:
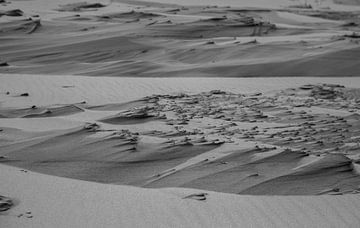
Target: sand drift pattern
144	39
299	141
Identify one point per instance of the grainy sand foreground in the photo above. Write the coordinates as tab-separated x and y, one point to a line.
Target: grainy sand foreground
48	201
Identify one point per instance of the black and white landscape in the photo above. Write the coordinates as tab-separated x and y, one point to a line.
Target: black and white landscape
164	113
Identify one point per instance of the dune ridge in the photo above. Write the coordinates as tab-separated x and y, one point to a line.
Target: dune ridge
295	141
145	39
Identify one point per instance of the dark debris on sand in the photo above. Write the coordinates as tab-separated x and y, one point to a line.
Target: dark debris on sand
27	26
74	7
197	196
12	13
5	203
4	64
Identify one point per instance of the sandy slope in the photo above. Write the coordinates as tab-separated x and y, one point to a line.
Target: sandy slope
46	201
132	38
259	138
208	140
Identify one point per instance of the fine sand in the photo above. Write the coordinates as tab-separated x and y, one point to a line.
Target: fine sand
293	141
164	113
47	201
144	39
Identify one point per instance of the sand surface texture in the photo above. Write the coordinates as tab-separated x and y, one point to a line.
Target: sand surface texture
300	140
143	38
184	113
295	141
57	202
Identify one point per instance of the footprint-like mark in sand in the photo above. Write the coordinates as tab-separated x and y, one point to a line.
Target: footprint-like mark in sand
27	214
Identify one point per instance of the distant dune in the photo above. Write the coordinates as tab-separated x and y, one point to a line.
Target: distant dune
127	38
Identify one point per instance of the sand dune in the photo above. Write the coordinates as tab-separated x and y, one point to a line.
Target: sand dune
124	159
331	168
145	39
267	176
37	112
271	146
259	99
78	203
